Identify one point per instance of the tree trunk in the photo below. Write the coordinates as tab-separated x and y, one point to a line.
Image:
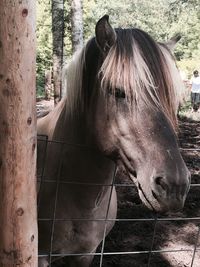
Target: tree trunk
18	212
77	25
58	35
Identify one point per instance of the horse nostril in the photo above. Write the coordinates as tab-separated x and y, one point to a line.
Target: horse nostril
134	174
159	181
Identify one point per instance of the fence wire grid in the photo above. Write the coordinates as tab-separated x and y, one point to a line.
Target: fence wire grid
102	250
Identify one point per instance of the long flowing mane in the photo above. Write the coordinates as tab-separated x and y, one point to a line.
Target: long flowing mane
136	64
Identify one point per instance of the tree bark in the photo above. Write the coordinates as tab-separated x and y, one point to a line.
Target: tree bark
77	25
18	212
58	35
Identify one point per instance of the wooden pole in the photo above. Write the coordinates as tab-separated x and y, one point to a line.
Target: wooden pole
18	219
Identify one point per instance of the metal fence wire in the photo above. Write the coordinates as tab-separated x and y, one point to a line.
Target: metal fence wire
150	226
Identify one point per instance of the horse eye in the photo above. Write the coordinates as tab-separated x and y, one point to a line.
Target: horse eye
119	93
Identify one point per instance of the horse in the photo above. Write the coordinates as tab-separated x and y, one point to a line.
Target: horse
120	108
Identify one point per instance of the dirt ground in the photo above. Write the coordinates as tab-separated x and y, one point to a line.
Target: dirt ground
171	233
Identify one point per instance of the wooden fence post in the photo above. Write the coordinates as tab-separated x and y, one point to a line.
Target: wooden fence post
18	212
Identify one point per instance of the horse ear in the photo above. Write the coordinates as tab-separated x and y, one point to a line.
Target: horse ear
105	34
173	41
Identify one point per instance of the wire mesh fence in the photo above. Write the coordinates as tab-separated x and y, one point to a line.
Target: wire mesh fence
146	231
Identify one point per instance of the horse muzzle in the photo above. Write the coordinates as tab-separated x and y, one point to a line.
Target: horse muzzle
167	194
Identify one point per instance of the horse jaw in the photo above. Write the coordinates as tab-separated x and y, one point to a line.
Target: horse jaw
162	183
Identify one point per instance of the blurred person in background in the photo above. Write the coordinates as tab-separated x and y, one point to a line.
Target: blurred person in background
195	91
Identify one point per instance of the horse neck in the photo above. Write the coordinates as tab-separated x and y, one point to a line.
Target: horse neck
71	128
82	159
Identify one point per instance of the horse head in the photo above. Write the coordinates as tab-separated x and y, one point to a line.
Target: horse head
133	108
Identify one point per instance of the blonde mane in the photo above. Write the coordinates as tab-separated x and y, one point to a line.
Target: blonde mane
72	81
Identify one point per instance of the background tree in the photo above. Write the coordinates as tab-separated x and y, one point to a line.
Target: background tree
58	39
77	25
44	42
160	18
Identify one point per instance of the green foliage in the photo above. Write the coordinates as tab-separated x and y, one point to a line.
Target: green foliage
142	14
188	24
160	18
185	109
188	66
44	41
